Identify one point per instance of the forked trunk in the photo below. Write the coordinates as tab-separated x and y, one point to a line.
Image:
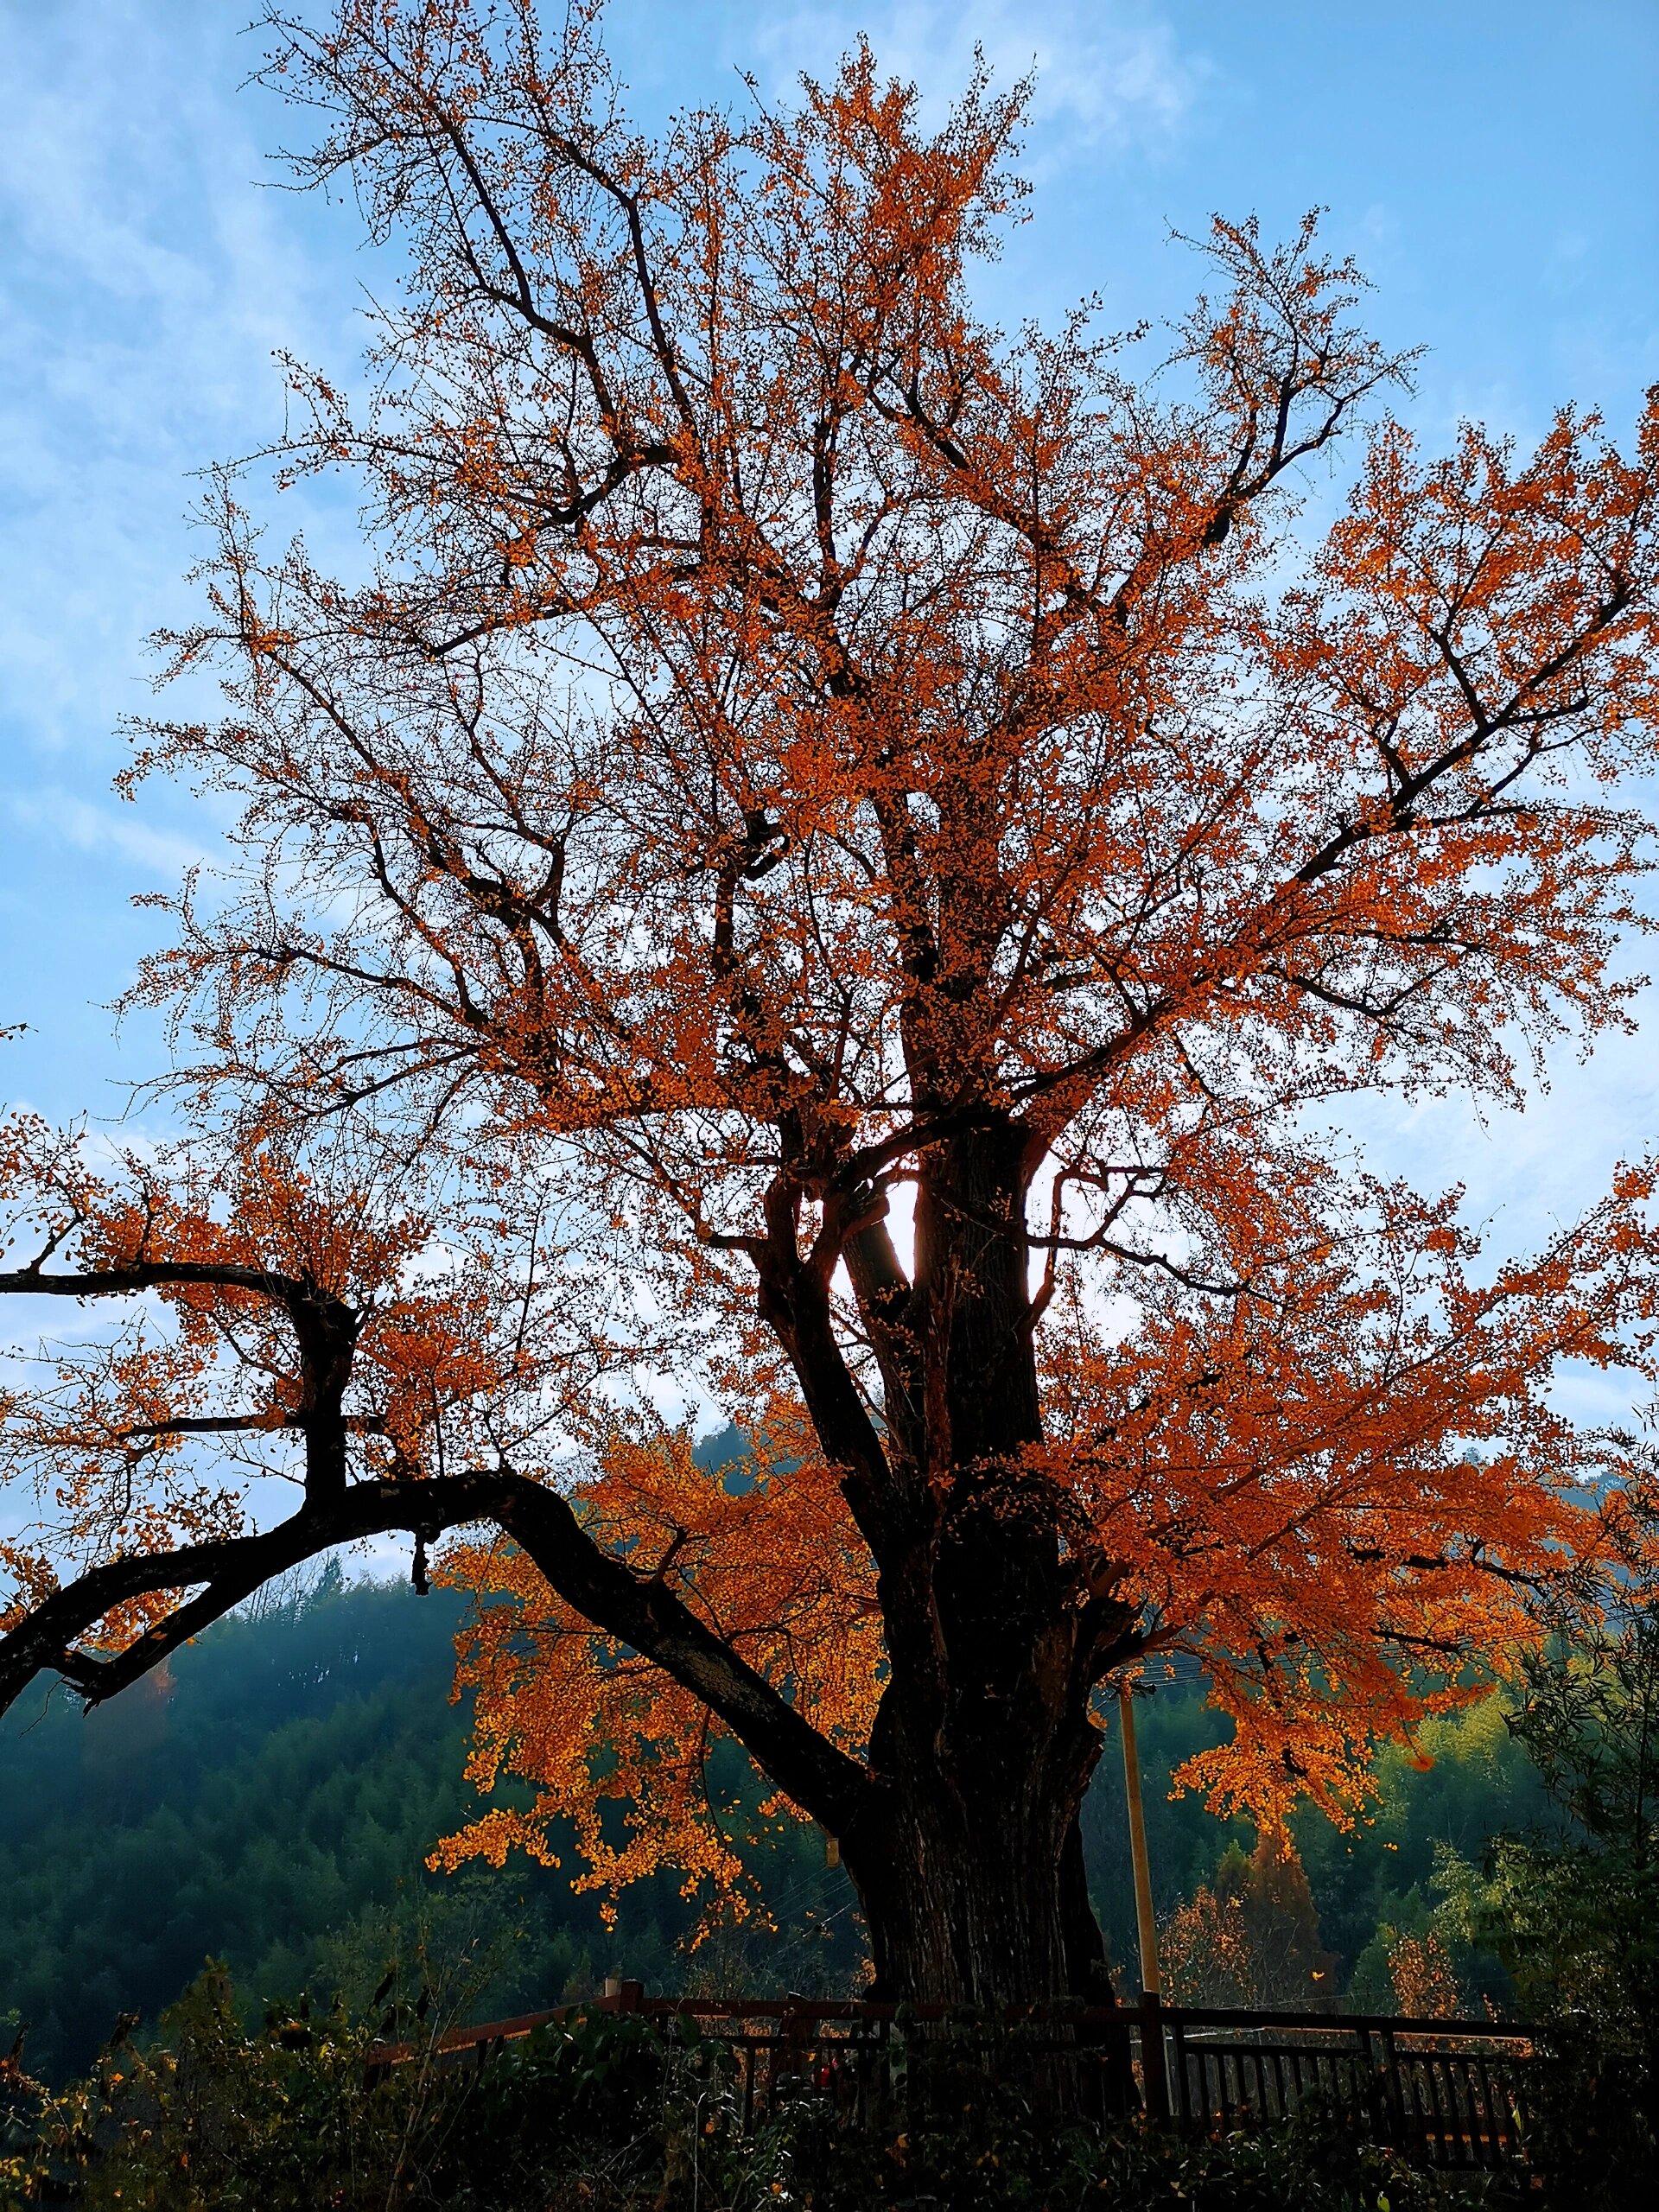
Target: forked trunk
968	1858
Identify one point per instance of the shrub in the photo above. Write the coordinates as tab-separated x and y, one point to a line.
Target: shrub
607	2113
298	2117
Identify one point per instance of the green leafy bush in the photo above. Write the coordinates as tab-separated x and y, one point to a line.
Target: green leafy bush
1572	1911
301	2115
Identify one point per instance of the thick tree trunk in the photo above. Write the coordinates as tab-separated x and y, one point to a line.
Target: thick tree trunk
965	1850
972	1882
963	1911
1087	1967
969	1860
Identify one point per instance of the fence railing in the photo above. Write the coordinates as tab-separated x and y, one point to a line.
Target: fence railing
1445	2093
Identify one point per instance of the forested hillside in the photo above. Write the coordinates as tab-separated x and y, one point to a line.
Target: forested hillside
271	1801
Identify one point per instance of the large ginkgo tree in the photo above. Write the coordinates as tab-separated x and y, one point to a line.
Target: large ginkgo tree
843	860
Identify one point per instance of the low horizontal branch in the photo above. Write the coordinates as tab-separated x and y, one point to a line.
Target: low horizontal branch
641	1613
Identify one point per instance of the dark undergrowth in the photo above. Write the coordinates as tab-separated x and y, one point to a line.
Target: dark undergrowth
605	2114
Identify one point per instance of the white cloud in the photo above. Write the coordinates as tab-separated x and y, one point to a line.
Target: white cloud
145	284
69	820
1107	74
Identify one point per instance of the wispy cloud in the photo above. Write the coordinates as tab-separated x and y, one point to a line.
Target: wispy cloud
1107	73
145	285
62	817
144	282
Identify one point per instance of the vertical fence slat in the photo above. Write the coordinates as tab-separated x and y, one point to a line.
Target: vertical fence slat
1471	2109
1494	2132
1460	2085
1182	2105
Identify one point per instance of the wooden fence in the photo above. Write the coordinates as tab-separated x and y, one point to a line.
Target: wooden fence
1445	2093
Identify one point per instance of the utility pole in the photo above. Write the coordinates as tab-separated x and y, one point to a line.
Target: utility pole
1144	1922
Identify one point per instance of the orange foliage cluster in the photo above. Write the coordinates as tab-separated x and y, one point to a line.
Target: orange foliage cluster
1334	1488
1425	1985
765	1551
1251	1939
145	1434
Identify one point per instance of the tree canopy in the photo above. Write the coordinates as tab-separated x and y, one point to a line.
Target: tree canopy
843	851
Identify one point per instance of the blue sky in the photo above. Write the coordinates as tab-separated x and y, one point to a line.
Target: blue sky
1491	167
